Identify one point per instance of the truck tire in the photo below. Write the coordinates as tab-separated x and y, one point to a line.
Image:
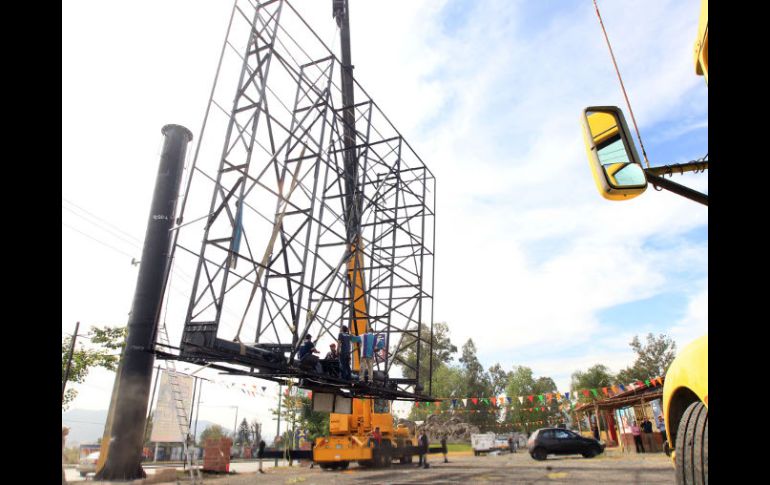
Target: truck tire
692	446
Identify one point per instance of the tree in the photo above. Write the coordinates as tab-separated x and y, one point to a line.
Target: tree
243	436
442	351
521	382
297	412
256	432
652	359
449	381
213	432
110	342
498	378
477	384
595	377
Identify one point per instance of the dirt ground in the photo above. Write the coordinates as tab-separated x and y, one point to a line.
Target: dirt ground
610	467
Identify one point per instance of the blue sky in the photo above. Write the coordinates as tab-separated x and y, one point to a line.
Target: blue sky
531	262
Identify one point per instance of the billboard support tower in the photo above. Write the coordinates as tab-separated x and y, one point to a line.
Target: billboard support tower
122	446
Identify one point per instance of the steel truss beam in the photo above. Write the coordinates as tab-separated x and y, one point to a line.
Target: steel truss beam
273	260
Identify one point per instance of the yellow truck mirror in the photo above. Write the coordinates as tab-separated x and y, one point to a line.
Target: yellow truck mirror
615	165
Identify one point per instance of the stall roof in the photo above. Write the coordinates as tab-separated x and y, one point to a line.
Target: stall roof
623	399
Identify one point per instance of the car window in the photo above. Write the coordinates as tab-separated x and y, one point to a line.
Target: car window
547	434
562	435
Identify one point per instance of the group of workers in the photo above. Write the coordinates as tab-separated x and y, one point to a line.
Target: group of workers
337	362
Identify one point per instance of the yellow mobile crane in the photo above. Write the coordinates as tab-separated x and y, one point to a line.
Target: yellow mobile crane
349	438
619	175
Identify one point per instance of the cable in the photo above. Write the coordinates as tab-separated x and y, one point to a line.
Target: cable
628	103
132	243
99	219
98	240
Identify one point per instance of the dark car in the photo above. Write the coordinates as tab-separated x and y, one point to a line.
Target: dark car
557	441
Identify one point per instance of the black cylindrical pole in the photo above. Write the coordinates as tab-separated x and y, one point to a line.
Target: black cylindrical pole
123	461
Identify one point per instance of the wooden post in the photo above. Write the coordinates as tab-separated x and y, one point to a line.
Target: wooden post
598	420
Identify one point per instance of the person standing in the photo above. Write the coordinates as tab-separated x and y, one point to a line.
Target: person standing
344	340
662	427
646	425
376	437
367	357
443	448
511	446
595	431
637	432
260	454
423	444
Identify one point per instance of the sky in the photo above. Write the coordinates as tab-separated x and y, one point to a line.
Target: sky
531	263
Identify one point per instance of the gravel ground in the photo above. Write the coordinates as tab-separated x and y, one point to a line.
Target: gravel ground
611	467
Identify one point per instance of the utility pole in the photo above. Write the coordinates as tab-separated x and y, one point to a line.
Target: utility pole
132	387
69	361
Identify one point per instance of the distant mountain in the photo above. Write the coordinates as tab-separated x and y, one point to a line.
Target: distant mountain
87	425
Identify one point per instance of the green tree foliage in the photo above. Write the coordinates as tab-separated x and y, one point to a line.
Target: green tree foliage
652	358
109	342
442	351
522	382
297	413
478	383
213	432
449	381
498	379
595	377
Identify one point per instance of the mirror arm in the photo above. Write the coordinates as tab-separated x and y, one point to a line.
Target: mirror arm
694	166
676	188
